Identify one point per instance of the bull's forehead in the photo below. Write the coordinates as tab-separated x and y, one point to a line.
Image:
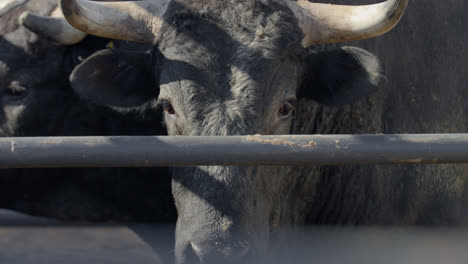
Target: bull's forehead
214	35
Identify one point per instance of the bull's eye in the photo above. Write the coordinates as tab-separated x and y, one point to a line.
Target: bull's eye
16	90
286	108
167	106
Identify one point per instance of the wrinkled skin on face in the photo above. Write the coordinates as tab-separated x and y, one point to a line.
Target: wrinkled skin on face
231	68
36	100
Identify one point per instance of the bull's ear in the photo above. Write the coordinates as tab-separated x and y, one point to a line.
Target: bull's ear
339	76
116	78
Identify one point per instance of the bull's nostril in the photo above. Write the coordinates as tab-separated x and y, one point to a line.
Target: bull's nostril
196	250
217	251
190	254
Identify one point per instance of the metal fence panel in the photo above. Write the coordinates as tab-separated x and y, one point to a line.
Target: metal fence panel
147	151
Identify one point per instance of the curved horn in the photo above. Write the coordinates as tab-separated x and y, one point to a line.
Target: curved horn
55	28
325	23
134	21
8	5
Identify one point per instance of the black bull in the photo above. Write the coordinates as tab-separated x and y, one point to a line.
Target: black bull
36	100
423	93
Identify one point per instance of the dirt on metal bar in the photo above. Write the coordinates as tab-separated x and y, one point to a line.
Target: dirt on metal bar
302	150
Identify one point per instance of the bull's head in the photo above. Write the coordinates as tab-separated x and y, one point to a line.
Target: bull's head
36	99
229	68
33	71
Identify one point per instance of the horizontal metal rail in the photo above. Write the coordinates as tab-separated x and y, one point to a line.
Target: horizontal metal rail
148	151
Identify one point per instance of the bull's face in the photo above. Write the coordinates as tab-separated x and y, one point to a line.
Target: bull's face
35	94
232	81
36	98
32	71
220	69
27	83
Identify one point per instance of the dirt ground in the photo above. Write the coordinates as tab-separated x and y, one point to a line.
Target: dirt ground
32	240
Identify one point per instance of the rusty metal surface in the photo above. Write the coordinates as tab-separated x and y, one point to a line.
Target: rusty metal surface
141	151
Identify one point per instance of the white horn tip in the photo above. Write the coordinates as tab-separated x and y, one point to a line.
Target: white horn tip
23	17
